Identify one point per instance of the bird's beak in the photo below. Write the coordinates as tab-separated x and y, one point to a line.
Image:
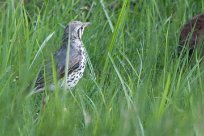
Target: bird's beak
86	24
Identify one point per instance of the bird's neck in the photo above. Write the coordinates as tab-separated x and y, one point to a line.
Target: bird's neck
74	43
77	43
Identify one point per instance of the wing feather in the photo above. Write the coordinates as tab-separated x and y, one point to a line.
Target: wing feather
75	57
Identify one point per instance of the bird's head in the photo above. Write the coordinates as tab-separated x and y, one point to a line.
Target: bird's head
76	29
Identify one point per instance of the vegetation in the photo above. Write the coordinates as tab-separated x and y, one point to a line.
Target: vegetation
134	84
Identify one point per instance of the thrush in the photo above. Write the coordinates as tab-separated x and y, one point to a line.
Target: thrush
72	40
192	34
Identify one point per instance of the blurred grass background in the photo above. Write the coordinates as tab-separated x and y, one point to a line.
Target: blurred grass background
133	85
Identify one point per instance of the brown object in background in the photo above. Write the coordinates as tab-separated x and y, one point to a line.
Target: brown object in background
25	1
192	33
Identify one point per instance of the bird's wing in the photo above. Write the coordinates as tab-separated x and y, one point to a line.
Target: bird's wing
44	74
75	57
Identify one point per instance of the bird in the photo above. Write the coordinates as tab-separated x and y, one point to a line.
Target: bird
72	40
192	34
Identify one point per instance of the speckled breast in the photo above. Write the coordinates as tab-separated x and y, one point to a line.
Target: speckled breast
77	74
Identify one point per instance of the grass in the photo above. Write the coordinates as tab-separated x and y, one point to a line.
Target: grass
134	83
